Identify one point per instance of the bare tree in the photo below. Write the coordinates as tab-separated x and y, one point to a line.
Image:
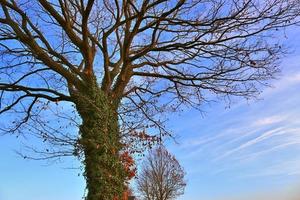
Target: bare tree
161	177
115	66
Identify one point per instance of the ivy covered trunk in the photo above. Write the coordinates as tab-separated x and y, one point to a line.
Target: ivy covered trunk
100	140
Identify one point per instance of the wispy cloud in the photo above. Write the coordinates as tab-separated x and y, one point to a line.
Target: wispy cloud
255	143
259	134
264	136
288	80
269	120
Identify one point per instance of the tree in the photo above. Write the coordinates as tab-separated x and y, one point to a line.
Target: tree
117	65
161	177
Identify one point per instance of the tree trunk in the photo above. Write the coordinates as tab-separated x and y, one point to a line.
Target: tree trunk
100	140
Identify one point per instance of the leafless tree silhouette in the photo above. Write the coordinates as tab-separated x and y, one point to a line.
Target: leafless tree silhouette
161	177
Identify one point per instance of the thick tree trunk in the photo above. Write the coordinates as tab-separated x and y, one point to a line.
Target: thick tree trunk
100	139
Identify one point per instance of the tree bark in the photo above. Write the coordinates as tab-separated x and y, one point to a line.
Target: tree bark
100	140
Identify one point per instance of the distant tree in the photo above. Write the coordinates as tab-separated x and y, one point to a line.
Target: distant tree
161	176
127	195
90	78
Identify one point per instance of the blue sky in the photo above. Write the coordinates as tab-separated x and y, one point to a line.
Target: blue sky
250	147
253	146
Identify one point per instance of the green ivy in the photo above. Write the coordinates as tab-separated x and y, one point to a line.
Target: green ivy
100	140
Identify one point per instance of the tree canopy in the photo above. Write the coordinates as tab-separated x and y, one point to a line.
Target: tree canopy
161	176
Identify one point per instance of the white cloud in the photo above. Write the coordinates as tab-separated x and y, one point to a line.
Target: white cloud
286	81
257	154
264	136
269	120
